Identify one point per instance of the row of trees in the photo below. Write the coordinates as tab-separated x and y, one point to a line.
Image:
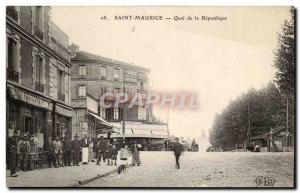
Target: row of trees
257	111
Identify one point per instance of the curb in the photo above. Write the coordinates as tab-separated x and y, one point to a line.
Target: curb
83	182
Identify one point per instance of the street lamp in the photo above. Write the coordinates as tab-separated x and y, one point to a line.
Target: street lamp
123	121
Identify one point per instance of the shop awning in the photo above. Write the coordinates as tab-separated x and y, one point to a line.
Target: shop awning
138	129
103	121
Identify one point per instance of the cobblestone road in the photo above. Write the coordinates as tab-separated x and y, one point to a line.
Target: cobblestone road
226	169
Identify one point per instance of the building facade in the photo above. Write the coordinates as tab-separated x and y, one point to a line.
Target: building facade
38	74
93	76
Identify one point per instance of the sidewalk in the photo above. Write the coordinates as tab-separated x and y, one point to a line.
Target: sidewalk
58	177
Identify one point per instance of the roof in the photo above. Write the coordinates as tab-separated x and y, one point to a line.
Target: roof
266	135
86	56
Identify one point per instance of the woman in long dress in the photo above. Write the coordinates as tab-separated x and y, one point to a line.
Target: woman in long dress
135	156
91	150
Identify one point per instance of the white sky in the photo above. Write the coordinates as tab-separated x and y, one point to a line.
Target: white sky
217	60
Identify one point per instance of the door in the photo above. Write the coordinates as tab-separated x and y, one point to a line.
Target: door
28	125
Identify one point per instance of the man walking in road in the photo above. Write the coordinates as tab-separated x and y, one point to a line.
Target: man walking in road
177	151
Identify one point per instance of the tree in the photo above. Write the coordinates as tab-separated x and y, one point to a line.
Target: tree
285	57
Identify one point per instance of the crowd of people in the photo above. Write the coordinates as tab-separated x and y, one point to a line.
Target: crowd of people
64	152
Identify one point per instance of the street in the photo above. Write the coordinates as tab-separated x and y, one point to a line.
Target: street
213	169
224	169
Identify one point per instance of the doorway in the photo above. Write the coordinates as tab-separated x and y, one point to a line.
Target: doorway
28	125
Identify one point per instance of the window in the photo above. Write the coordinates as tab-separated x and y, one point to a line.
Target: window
61	85
103	113
82	91
142	86
38	23
116	90
114	114
12	12
12	55
38	16
39	69
116	74
103	72
82	70
103	91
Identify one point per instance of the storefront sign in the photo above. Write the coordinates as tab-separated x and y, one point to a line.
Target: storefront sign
63	111
29	98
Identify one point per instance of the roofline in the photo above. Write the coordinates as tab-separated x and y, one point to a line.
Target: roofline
112	63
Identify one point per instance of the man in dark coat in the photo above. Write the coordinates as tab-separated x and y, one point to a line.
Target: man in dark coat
101	148
49	148
177	151
67	149
76	147
13	152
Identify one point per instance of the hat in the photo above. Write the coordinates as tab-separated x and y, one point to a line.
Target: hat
176	139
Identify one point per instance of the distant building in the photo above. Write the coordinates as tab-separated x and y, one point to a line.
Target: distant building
38	74
93	76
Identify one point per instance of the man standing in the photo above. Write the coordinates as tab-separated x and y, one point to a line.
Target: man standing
101	147
23	150
57	150
13	152
76	146
49	148
177	151
67	148
85	150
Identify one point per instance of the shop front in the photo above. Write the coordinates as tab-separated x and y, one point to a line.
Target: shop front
28	113
62	120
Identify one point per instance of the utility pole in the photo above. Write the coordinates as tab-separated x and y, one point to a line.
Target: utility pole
249	123
123	121
168	127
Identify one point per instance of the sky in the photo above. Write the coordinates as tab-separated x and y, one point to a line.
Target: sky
218	60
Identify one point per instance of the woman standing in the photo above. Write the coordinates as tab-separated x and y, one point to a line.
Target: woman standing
135	155
91	150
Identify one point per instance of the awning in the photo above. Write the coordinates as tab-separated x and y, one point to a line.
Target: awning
138	130
103	121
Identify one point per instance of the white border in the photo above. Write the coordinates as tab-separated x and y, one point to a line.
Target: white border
113	3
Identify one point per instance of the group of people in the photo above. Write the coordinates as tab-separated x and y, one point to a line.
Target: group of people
63	152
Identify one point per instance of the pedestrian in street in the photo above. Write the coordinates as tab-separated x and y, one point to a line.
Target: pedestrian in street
85	150
114	154
177	151
58	150
13	152
107	152
91	150
49	148
67	150
24	150
135	155
123	162
101	147
76	147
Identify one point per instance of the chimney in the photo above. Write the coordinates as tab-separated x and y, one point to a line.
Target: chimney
74	48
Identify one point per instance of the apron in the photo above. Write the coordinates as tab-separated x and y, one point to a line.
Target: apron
85	154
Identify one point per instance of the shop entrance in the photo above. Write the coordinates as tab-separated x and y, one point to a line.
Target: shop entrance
28	125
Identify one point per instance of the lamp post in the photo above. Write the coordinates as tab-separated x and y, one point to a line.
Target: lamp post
123	121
